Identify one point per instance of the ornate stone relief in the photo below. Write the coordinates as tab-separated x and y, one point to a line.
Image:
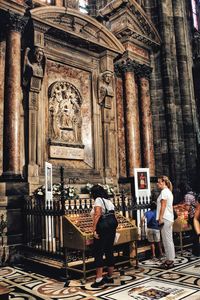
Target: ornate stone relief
65	121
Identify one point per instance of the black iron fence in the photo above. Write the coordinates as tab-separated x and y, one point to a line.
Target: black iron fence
43	219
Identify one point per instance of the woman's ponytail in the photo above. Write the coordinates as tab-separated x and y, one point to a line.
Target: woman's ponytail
167	182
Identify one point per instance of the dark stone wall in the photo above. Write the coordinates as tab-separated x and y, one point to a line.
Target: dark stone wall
174	121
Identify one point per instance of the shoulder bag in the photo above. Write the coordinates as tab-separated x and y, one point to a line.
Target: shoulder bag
107	221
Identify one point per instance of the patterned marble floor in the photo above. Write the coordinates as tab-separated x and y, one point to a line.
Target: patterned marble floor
148	282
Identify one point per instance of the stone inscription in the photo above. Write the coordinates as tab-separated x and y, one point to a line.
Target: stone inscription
66	152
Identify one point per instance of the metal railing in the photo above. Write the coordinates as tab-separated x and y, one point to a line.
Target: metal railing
43	219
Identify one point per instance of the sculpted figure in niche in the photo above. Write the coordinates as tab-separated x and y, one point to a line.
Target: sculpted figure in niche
106	91
38	62
196	45
65	113
34	64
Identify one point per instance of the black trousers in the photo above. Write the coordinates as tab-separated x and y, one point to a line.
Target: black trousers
102	246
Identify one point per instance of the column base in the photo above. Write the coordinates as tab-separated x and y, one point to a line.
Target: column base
11	177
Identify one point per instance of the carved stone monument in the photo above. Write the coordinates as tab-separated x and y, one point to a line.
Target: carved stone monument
65	121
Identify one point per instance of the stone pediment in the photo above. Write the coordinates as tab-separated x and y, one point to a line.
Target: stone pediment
78	26
129	20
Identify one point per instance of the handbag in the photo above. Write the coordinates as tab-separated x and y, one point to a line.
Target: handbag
107	221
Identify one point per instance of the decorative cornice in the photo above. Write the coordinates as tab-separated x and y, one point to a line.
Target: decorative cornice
129	65
145	32
78	26
111	7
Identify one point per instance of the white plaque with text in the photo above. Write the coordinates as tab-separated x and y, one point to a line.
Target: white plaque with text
66	152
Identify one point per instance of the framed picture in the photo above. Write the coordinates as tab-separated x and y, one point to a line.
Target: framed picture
142	182
48	181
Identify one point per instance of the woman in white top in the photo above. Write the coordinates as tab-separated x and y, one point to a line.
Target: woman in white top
103	242
165	217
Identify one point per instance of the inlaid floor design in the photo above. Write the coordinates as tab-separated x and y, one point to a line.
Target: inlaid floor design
148	282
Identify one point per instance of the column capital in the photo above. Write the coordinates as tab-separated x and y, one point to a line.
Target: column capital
144	71
129	65
16	22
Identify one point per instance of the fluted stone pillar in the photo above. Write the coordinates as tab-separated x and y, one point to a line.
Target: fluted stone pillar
146	121
132	122
12	97
187	98
173	154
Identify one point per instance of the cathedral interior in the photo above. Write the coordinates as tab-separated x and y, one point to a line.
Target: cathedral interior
96	88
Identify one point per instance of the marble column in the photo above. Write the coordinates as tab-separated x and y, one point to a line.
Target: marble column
132	122
120	126
146	121
12	98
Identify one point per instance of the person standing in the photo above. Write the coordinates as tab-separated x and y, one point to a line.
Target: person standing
165	219
153	230
190	203
103	242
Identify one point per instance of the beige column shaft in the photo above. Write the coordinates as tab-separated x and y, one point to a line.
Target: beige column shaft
59	2
132	124
12	105
147	129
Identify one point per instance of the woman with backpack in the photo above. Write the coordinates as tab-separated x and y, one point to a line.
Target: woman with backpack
103	239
